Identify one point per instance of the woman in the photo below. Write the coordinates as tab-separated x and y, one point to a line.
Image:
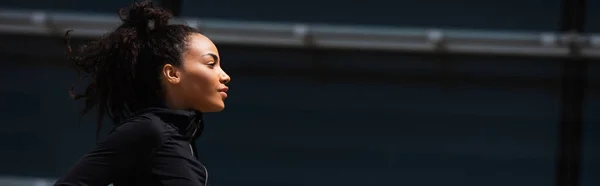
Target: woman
155	83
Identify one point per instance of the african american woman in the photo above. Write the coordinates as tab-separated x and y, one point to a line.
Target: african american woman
153	81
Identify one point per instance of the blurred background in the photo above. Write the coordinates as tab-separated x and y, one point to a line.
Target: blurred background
333	92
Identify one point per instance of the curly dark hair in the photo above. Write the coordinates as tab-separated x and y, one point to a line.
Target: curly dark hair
124	65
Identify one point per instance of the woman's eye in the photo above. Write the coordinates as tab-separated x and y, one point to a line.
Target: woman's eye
211	64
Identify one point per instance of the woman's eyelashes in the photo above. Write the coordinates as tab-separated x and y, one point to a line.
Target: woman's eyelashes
211	64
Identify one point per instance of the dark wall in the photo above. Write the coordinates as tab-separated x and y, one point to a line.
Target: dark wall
591	138
533	15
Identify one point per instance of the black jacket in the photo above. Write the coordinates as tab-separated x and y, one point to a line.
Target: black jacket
154	147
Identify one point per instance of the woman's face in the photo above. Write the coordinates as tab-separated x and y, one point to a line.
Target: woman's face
199	83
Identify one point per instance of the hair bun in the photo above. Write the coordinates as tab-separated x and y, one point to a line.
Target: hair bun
140	13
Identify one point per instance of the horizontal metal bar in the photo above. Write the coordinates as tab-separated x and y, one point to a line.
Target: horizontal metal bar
24	181
543	44
6	180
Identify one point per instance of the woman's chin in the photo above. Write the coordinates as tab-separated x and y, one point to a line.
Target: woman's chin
215	108
219	109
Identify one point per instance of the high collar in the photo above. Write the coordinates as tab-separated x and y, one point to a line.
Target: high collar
189	123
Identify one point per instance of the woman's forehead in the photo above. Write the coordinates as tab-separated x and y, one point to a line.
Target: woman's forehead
199	45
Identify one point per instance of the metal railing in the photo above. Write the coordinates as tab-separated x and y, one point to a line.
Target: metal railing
544	44
25	181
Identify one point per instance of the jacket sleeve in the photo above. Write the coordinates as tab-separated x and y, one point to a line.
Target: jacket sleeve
114	156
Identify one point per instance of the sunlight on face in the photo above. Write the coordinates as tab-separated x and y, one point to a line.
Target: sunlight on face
202	78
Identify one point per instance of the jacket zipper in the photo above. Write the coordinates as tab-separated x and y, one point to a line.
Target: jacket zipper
204	167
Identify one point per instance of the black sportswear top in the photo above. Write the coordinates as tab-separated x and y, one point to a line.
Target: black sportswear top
154	147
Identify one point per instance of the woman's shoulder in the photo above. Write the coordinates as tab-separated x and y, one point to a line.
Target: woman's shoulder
143	126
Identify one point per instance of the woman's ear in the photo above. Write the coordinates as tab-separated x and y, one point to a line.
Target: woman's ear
171	74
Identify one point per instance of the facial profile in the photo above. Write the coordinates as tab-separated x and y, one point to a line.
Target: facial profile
199	82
